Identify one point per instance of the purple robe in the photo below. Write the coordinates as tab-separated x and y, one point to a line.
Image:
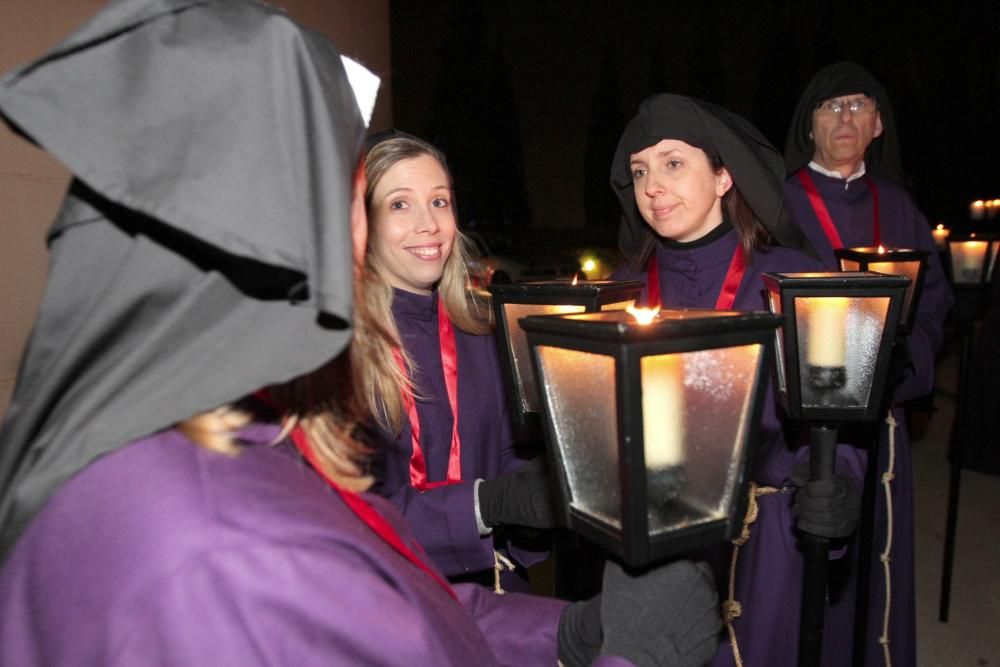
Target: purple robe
769	571
443	518
164	553
902	225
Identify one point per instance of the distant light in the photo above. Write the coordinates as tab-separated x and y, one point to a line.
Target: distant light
589	264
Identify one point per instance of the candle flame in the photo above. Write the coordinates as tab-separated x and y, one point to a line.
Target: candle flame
979	203
575	276
972	235
940	226
643	315
881	250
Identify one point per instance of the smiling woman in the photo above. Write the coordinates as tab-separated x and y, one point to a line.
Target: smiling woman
445	454
413	223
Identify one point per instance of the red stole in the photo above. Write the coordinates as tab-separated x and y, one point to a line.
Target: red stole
734	275
449	363
826	222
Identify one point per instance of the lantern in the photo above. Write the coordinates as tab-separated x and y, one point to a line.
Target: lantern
893	261
833	356
833	360
970	263
971	260
651	427
512	302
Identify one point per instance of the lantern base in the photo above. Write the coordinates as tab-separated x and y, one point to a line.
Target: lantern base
824	378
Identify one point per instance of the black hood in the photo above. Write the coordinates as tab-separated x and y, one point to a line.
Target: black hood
203	250
754	164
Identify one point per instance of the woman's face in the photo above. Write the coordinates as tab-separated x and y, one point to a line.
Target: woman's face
678	193
412	224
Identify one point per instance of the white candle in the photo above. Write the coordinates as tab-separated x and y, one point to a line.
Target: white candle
976	209
940	235
663	410
827	343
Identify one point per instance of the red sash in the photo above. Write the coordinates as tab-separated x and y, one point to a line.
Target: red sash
826	222
362	509
449	363
734	275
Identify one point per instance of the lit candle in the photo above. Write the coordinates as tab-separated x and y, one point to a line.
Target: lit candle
826	344
663	411
940	234
968	258
991	209
642	315
976	209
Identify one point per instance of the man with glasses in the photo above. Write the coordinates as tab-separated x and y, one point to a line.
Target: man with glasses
844	190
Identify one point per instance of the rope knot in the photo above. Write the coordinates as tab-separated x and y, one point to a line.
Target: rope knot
888	477
731	609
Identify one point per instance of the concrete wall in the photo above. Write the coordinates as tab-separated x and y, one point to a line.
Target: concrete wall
32	183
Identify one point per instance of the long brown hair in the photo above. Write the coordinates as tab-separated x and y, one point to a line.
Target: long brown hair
382	379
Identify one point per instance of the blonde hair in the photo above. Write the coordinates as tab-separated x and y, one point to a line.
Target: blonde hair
382	379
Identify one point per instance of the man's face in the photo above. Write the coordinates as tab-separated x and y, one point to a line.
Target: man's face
841	139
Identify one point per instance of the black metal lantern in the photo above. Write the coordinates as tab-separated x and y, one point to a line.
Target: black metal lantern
833	356
651	427
892	261
971	260
833	362
512	302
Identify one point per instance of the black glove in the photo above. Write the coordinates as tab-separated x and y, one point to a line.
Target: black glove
521	498
827	508
665	616
580	635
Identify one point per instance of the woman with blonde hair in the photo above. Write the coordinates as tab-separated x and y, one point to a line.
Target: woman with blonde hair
445	454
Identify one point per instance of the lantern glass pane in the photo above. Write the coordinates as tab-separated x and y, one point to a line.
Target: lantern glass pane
908	269
580	392
839	339
524	373
849	265
695	410
774	302
967	261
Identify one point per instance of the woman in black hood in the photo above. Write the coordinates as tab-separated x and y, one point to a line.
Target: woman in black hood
702	219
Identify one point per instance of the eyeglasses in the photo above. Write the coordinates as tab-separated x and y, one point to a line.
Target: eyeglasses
860	105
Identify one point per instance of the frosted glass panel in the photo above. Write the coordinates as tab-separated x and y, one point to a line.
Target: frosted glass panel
523	371
580	392
967	261
774	301
694	407
908	269
835	368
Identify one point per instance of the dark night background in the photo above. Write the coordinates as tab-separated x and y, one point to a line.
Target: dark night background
527	99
